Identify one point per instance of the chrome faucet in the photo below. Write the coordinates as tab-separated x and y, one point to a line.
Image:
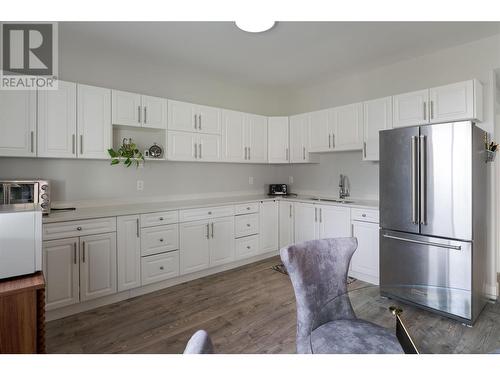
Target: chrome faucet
344	187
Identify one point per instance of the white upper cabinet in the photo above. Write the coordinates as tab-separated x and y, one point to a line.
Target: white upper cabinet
209	147
244	137
256	138
17	123
93	122
126	108
455	102
154	112
233	136
410	109
320	131
57	121
377	115
299	138
458	101
193	118
278	150
347	127
132	109
182	146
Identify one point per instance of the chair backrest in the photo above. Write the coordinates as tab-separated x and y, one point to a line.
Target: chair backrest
199	343
318	271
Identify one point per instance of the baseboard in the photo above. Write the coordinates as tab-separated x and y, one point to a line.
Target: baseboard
121	296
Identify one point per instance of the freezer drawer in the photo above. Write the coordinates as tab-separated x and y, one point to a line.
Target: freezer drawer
428	271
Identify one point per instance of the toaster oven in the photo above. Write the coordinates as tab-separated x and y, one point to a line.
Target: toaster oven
278	189
26	191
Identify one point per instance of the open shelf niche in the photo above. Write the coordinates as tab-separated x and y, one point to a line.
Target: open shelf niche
144	138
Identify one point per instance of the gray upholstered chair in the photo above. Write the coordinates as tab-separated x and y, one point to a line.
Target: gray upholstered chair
318	271
199	343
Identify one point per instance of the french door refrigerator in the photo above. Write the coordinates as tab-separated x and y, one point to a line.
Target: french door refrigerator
433	217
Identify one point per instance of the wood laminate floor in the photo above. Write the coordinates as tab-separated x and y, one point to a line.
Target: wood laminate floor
250	309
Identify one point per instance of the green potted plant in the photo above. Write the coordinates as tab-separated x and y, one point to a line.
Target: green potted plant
128	153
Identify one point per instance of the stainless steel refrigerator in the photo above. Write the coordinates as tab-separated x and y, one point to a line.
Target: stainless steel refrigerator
433	217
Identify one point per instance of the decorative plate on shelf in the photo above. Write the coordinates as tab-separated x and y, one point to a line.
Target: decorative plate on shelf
155	151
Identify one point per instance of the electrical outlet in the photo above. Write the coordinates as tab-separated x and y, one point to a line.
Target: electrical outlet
290	180
250	180
140	185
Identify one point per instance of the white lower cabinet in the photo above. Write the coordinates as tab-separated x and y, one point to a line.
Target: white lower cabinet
365	261
286	230
61	272
128	252
268	232
221	242
159	267
97	266
206	243
305	222
246	247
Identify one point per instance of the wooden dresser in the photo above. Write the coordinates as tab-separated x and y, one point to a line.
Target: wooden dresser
22	314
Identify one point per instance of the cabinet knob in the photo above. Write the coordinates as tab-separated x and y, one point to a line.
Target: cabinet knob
161	239
248	225
161	267
364	215
161	218
78	228
248	247
248	208
210	212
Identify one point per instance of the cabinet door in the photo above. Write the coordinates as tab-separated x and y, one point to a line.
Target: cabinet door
57	121
256	138
452	102
154	112
209	148
365	260
181	116
306	222
17	123
377	115
285	224
182	146
410	109
97	265
347	127
126	108
269	227
278	140
334	221
128	252
208	119
221	240
194	246
93	122
320	131
61	272
299	139
233	136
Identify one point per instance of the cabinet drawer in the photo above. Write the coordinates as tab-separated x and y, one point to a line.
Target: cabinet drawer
246	225
247	208
78	228
159	267
246	247
159	218
156	240
205	213
361	214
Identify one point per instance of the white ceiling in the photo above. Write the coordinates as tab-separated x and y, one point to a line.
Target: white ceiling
290	55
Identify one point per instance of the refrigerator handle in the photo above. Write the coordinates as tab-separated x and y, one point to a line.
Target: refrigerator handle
423	178
414	181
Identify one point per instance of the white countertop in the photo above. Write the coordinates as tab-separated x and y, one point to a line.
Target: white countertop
142	208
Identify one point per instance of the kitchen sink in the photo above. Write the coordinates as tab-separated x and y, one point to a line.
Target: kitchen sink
318	199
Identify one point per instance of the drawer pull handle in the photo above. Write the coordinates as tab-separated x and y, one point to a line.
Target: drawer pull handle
161	218
161	267
161	239
78	228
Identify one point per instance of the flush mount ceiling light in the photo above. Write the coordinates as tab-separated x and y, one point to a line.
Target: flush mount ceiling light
255	26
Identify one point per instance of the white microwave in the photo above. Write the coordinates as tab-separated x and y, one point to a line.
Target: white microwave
20	240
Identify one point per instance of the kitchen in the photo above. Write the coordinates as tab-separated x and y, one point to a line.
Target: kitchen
139	230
